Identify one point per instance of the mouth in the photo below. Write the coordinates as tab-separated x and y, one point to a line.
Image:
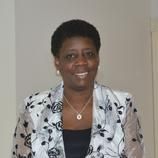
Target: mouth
82	75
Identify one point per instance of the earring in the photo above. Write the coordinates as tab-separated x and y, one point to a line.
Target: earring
98	67
57	72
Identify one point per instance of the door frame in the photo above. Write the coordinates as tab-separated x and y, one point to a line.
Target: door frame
154	35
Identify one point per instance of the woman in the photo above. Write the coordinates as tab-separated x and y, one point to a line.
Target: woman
79	118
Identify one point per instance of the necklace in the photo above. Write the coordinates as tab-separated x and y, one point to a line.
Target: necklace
78	114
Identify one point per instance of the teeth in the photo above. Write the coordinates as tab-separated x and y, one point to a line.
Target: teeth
82	75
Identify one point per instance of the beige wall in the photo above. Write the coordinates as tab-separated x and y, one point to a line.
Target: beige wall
7	76
154	9
125	54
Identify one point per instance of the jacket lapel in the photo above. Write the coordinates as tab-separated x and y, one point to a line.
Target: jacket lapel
49	138
104	125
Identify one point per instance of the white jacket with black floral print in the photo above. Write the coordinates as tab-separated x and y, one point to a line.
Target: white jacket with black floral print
115	128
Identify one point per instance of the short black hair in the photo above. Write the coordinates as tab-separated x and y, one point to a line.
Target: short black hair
74	28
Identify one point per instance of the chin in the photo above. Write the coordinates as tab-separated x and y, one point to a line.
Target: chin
83	86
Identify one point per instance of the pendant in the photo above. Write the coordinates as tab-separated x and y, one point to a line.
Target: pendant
79	117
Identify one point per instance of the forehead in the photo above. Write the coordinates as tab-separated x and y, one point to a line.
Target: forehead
77	42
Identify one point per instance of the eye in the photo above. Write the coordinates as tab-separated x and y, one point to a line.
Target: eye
70	56
90	54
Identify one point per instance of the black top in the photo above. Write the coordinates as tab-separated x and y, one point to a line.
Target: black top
76	142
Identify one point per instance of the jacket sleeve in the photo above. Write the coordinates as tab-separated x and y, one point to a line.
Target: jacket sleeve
134	146
22	137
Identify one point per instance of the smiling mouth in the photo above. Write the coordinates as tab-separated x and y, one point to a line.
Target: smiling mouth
82	75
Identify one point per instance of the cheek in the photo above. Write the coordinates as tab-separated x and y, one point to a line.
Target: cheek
64	68
94	65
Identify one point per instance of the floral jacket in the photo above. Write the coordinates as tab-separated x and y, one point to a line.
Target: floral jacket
115	129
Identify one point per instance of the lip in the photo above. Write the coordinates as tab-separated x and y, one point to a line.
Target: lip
82	75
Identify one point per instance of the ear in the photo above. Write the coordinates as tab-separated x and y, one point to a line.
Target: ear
98	59
56	62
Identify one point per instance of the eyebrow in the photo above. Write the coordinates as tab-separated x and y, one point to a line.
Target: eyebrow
72	49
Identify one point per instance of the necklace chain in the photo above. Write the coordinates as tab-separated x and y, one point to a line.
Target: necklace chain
79	114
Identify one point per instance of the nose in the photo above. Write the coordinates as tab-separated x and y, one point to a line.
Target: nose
81	60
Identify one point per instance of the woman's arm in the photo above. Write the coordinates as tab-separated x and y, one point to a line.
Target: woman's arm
134	147
22	137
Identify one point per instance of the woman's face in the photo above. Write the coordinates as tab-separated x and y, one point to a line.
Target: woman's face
78	62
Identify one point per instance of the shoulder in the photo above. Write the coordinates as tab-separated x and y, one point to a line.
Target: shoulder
36	99
37	104
117	94
121	99
34	104
40	100
122	96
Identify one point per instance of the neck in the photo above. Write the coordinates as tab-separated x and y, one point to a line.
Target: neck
78	97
